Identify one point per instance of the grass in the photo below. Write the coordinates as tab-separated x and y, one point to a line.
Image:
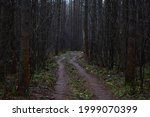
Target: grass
147	81
43	81
77	88
41	84
2	89
116	81
147	75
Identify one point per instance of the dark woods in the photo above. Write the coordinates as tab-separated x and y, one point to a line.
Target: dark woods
30	30
115	34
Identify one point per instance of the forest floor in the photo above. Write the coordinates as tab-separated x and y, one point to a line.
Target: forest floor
80	80
115	80
42	84
70	77
75	83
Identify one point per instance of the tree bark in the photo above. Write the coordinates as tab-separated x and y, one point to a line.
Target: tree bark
24	52
85	30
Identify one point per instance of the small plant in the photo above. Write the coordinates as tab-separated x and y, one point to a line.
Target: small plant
78	90
115	80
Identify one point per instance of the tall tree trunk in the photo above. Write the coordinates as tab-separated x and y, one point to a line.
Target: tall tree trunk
24	51
85	30
43	30
131	61
1	40
58	27
93	46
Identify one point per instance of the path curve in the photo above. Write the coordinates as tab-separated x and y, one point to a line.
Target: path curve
96	85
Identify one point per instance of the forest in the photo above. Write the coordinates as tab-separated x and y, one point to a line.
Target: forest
74	49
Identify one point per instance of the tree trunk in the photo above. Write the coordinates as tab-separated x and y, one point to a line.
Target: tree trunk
24	52
85	30
131	61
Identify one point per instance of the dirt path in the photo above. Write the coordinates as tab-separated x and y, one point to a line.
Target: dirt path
61	88
96	86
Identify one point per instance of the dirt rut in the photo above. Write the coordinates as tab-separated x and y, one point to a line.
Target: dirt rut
94	84
61	87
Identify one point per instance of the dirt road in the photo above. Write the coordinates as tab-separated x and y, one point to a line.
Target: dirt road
94	84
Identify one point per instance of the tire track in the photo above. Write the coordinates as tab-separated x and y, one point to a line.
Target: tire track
61	87
94	84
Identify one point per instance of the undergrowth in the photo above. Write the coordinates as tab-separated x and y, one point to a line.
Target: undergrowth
77	88
116	81
43	81
41	84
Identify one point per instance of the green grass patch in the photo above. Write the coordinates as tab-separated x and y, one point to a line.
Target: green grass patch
147	76
47	76
77	88
43	81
